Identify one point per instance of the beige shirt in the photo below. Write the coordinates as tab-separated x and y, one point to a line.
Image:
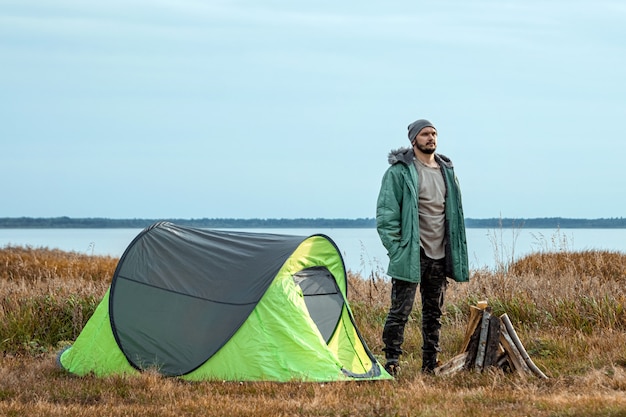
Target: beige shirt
431	210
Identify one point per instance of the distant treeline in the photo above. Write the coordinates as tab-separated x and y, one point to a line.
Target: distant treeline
547	223
95	223
492	223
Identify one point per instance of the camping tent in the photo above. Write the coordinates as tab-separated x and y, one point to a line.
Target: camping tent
221	305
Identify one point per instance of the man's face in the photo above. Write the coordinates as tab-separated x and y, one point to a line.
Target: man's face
426	140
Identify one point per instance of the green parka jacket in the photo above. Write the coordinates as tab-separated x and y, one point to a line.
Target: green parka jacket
397	218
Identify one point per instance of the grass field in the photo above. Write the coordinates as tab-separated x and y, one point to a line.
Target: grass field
567	307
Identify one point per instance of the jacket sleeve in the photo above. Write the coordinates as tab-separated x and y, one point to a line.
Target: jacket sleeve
388	209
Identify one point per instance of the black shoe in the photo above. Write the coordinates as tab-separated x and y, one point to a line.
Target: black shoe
429	364
430	367
392	368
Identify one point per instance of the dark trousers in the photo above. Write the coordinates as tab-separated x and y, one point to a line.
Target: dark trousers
432	291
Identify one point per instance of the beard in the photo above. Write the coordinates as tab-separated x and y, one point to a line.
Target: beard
427	149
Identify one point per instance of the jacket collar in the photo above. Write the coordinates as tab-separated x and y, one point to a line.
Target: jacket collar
405	155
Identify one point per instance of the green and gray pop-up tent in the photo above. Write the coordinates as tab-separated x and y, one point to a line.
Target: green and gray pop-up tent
219	305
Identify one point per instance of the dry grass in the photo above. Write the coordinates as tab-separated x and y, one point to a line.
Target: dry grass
47	296
41	271
568	309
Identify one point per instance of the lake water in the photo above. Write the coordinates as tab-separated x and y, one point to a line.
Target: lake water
361	248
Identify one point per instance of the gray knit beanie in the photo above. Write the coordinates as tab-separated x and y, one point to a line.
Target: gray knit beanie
416	126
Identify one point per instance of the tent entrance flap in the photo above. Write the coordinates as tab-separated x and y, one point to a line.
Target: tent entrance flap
322	298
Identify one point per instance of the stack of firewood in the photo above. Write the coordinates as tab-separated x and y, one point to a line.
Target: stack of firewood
490	341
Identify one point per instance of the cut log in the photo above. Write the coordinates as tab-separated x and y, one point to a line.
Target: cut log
453	365
472	347
513	353
476	315
490	341
529	362
492	348
482	341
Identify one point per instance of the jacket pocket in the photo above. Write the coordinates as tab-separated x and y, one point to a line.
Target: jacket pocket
397	255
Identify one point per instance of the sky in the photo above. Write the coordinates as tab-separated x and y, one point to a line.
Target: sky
284	109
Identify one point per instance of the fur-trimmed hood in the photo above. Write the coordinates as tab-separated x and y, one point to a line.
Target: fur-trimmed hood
406	156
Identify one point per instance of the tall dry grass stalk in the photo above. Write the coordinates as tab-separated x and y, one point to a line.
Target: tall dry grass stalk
568	308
